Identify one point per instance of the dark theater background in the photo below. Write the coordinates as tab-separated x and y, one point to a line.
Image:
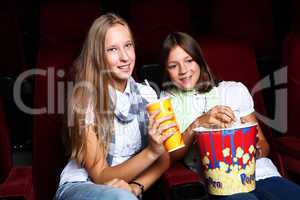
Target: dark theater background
242	40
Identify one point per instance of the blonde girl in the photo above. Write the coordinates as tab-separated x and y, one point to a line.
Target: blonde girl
116	151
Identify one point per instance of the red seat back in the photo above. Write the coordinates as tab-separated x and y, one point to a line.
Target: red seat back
291	55
234	61
152	21
6	163
12	48
294	14
63	29
66	22
250	20
48	151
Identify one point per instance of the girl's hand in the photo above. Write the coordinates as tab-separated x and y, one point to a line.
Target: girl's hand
262	147
217	117
156	129
119	183
136	190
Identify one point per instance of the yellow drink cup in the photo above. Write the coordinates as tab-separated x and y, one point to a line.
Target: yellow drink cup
165	107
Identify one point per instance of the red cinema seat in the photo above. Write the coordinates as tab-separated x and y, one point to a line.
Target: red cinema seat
151	21
250	20
15	182
48	151
63	22
294	15
63	27
12	59
289	144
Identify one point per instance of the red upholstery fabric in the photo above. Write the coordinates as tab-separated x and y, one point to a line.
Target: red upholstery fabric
178	174
18	184
48	152
250	20
64	26
294	14
289	144
233	60
291	55
12	53
66	22
151	21
5	149
15	181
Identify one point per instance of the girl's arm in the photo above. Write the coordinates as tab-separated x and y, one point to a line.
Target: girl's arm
220	116
100	172
149	176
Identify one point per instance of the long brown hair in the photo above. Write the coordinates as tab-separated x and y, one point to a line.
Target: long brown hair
92	79
187	43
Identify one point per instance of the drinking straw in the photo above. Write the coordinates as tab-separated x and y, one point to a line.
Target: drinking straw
147	83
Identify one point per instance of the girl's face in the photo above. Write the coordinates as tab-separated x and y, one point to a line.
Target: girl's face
120	55
184	72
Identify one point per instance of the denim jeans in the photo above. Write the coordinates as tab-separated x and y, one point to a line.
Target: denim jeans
277	188
274	188
239	196
91	191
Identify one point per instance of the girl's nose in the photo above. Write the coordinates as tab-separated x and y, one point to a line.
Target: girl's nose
123	55
182	69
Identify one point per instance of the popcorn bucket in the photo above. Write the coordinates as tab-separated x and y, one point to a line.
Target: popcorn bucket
228	158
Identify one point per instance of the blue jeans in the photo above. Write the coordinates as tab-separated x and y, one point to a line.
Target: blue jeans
274	188
91	191
277	188
239	196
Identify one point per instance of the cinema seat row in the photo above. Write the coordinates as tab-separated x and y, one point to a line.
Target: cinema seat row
235	34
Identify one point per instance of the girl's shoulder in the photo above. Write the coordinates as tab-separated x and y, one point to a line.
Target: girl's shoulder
231	86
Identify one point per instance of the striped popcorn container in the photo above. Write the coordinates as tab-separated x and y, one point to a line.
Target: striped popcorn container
228	158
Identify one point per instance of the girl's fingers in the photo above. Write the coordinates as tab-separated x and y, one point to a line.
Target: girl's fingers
226	111
169	134
154	129
155	126
162	128
152	117
216	123
223	118
229	112
165	118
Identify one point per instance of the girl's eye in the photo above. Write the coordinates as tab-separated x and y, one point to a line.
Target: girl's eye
189	60
128	45
171	66
112	49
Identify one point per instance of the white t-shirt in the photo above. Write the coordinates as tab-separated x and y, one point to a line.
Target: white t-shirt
127	136
190	105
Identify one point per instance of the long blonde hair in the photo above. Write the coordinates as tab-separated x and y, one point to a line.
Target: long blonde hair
91	70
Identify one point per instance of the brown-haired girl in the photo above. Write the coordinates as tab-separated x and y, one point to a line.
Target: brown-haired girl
199	101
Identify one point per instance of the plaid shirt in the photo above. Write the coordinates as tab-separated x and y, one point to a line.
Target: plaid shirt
137	110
